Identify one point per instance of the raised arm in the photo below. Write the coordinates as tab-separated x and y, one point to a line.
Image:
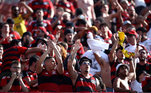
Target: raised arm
99	60
111	55
73	73
39	66
8	86
58	56
29	10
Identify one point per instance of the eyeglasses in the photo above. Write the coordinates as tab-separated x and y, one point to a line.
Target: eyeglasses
86	63
16	67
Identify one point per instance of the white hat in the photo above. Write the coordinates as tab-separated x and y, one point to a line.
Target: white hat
127	22
119	65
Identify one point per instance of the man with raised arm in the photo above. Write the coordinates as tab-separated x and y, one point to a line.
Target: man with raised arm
49	69
83	81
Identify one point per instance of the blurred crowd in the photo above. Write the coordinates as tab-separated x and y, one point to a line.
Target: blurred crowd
75	46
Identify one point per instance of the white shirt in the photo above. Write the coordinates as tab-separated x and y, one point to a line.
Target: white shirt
140	3
147	44
136	86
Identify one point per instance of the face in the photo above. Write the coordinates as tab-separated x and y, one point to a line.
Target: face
39	13
85	67
11	26
124	5
16	68
15	10
69	37
120	54
104	30
131	11
97	23
132	40
40	33
5	29
123	71
50	63
105	9
142	55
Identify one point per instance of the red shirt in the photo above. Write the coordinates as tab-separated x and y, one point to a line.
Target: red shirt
16	87
12	54
33	26
46	6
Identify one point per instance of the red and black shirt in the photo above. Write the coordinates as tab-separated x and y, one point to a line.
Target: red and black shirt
10	55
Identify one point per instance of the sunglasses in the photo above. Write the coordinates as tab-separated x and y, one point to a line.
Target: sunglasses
86	63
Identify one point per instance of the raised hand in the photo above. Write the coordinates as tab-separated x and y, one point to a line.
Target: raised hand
14	75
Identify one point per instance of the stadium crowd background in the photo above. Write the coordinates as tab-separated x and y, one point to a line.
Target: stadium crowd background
75	46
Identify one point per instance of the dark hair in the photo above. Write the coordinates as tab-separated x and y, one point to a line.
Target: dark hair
10	21
15	62
81	22
78	12
13	7
37	40
141	29
50	57
103	24
14	42
33	59
119	48
84	59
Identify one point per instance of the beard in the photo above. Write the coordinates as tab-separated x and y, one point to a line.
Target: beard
26	43
142	59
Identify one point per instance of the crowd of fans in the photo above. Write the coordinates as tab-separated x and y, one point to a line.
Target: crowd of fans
75	46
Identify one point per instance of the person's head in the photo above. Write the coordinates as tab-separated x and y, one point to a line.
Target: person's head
120	54
15	67
78	12
26	39
69	25
1	51
104	29
104	8
15	11
141	75
40	43
122	70
85	65
81	23
15	42
50	63
127	24
39	14
131	11
41	32
69	35
124	4
142	55
131	37
66	17
10	22
32	62
5	29
98	21
59	11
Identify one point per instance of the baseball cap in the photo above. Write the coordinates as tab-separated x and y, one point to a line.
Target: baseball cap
127	22
84	59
